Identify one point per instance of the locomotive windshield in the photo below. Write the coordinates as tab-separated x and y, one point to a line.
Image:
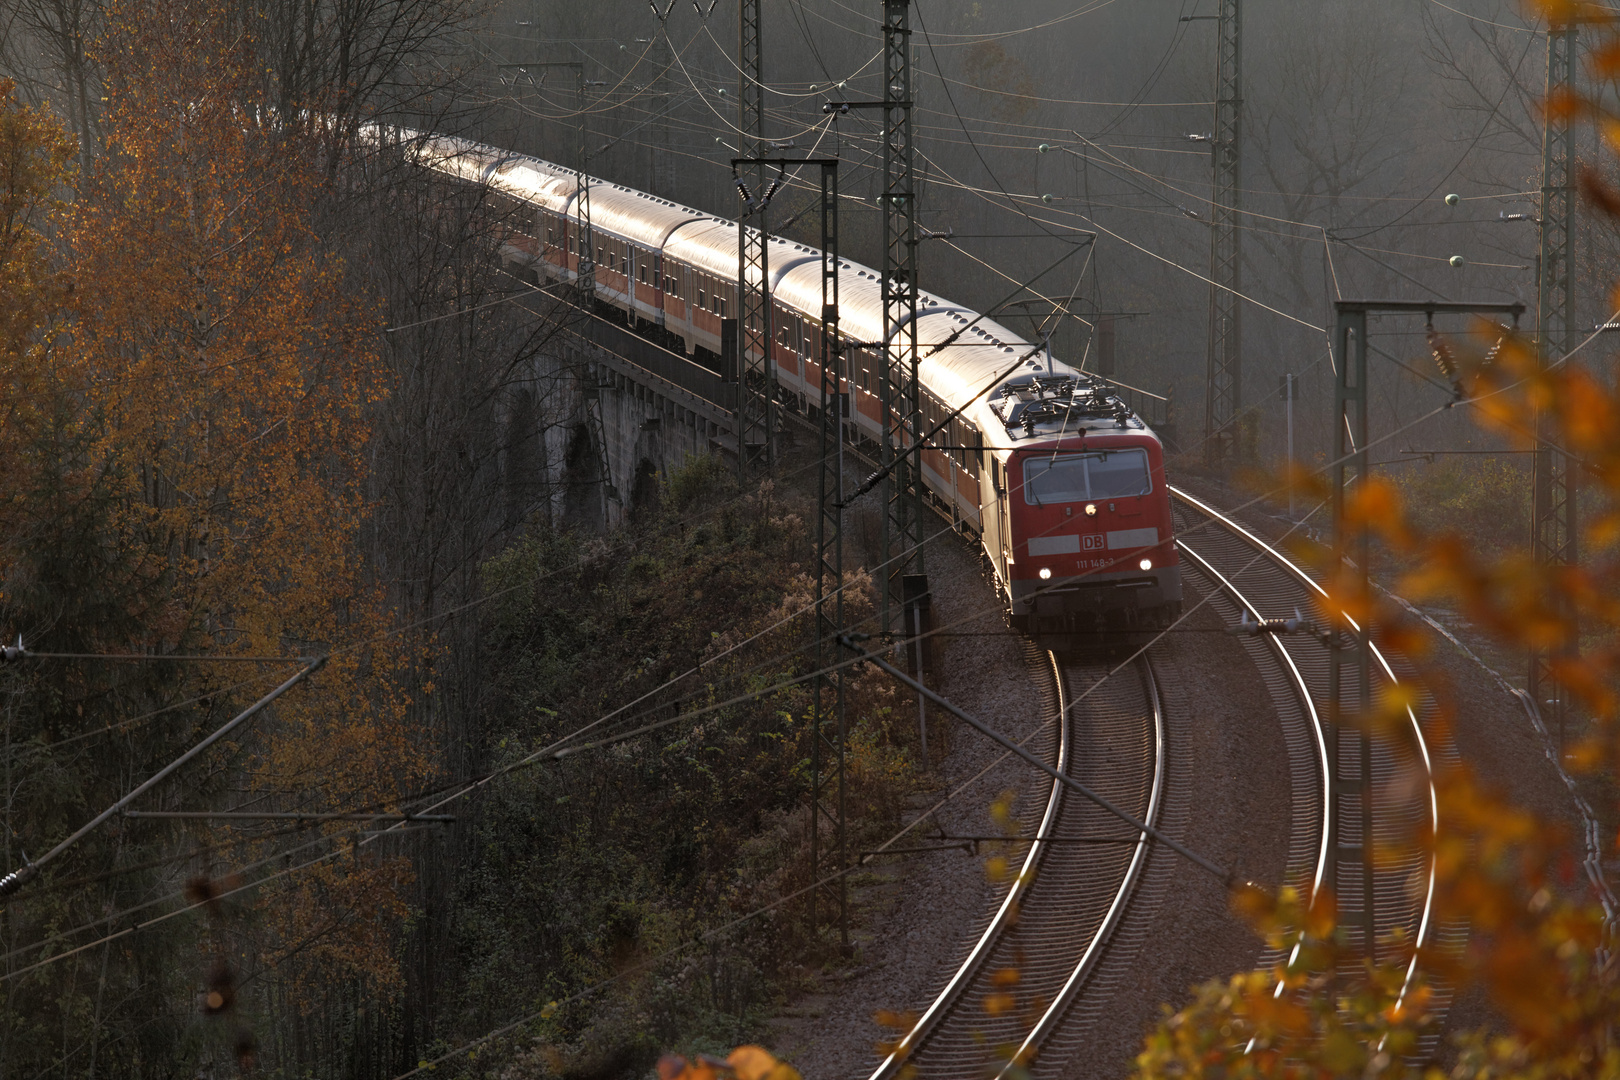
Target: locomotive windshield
1109	474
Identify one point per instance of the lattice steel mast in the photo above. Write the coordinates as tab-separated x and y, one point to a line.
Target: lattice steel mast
1553	538
827	741
756	390
827	774
585	247
585	287
1223	398
902	488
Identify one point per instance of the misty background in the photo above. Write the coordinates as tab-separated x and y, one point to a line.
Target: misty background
1358	121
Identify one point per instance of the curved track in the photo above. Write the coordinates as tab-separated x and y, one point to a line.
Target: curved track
1255	576
1075	882
1081	871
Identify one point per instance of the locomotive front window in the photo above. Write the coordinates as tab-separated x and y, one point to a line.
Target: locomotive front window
1057	479
1121	473
1064	478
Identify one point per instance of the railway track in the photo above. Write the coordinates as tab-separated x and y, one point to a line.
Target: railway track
1223	556
1082	869
1076	877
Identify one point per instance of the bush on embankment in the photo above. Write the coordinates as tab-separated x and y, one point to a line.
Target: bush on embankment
589	870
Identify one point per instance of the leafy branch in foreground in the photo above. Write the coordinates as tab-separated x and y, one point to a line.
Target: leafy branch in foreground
1539	946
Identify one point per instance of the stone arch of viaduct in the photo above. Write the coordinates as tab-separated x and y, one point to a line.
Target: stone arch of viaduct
620	405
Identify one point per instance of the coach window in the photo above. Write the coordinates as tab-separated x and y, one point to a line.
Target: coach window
702	302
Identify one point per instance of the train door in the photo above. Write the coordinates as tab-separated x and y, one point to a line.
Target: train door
993	511
1004	519
658	285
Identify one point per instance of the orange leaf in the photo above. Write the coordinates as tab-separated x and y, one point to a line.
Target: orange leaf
751	1062
996	1004
1560	105
1594	190
1605	61
1323	916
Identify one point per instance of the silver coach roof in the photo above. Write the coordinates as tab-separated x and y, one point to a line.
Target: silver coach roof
646	220
957	374
535	181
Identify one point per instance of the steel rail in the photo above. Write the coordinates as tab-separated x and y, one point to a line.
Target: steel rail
1277	558
1302	690
936	1021
1116	910
999	922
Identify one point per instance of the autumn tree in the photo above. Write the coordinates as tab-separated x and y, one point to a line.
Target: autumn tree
235	375
190	392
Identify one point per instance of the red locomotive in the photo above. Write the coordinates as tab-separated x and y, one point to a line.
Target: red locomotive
1076	511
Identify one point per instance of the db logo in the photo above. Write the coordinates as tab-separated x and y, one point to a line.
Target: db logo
1092	543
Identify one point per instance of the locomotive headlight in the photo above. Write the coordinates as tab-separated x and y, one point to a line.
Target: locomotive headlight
1046	573
1091	509
1146	564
